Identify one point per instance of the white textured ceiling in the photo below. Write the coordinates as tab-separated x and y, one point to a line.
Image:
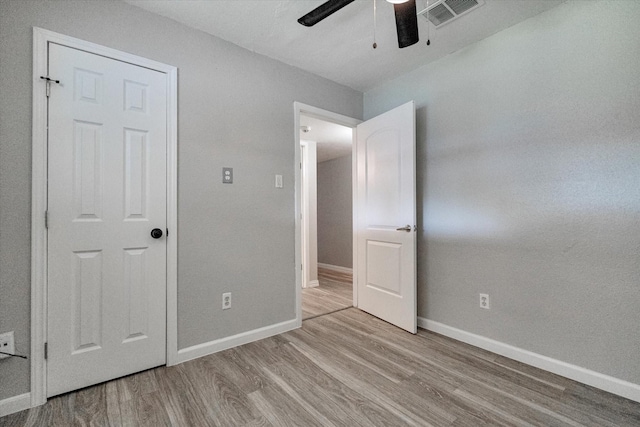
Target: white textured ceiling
332	140
339	48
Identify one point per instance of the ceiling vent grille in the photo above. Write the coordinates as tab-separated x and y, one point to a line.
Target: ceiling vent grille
444	11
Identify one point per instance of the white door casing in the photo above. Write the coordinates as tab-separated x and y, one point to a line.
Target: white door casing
107	191
386	256
309	218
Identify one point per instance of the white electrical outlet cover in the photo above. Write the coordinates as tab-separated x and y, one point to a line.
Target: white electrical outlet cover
485	302
226	300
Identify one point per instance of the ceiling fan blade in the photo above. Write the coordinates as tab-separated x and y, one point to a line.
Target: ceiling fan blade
406	23
322	11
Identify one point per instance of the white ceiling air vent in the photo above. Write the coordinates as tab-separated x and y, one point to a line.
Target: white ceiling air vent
444	11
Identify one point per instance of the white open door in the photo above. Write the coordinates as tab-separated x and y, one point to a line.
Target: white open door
106	193
386	217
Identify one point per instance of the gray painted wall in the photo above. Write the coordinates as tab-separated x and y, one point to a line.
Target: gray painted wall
235	109
335	218
529	184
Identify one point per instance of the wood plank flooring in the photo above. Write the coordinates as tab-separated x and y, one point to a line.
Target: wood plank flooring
342	369
334	293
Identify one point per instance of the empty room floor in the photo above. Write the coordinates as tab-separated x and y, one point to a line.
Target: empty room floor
342	369
334	293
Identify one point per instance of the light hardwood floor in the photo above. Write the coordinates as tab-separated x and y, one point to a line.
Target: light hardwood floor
342	369
334	293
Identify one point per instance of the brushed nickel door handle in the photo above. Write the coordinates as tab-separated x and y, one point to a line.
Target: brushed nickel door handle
405	228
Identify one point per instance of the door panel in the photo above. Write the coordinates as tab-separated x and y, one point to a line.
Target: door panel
386	264
86	303
135	181
383	262
382	174
136	287
106	192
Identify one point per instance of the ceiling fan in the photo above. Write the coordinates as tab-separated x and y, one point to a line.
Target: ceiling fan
405	11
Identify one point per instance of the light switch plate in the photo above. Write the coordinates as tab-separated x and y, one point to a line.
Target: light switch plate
227	175
278	181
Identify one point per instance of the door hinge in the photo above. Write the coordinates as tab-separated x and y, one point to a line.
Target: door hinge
46	219
46	351
48	82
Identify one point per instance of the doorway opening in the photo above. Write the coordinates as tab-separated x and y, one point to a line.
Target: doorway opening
327	218
384	213
325	231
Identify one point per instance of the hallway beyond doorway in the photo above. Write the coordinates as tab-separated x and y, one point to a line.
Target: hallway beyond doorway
334	293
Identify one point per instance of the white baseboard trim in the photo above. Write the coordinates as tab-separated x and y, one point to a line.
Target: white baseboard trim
337	268
313	284
15	404
211	347
576	373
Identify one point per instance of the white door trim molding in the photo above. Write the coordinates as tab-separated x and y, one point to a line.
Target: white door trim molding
309	218
41	40
298	109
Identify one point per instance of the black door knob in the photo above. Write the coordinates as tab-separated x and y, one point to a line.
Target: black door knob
156	233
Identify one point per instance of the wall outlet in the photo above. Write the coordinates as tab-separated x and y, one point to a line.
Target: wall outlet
7	344
484	301
226	300
227	175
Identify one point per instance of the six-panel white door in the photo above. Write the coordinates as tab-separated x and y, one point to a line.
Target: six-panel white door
106	192
386	217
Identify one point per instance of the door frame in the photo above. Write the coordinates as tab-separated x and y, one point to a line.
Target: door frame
329	116
309	217
39	173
